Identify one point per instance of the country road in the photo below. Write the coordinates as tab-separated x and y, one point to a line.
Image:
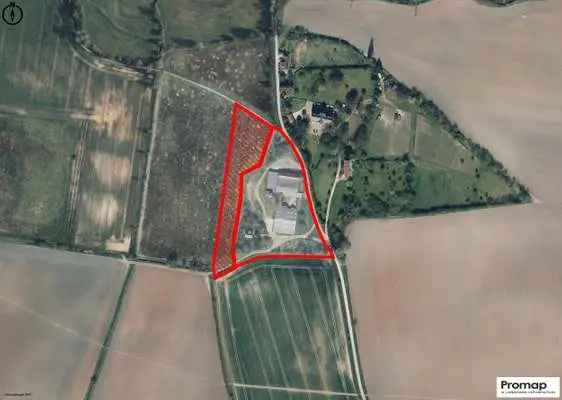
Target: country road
344	288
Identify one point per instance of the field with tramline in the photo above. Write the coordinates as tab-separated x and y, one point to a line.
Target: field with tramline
282	326
85	120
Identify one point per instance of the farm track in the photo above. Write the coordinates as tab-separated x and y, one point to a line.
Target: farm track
144	199
344	288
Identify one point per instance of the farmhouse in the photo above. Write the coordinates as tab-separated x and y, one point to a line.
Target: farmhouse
285	220
324	111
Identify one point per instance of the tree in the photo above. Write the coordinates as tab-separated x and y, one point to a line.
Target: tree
352	95
361	134
336	75
371	50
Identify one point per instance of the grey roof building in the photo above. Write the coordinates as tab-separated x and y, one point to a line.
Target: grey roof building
287	182
285	221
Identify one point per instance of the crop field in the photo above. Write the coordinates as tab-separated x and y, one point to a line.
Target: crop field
121	28
37	67
164	345
54	311
314	84
210	20
314	50
36	158
121	110
241	69
190	139
282	327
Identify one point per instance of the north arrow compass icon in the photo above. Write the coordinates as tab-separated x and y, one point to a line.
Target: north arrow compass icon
12	14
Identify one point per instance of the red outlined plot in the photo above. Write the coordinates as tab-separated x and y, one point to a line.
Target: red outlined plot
249	139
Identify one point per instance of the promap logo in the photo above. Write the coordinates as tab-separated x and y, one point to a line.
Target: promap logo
526	387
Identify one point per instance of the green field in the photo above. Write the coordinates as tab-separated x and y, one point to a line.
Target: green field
190	141
36	65
122	28
316	50
90	120
210	20
283	326
315	84
36	158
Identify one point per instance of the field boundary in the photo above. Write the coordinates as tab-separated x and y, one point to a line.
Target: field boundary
236	264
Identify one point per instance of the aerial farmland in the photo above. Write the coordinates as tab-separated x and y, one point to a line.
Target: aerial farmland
304	346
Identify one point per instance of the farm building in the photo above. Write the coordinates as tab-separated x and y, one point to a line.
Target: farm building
286	182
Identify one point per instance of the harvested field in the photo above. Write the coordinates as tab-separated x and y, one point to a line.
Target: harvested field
283	326
241	69
164	345
190	139
54	310
36	159
471	294
121	111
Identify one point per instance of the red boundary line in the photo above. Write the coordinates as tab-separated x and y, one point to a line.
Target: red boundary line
235	264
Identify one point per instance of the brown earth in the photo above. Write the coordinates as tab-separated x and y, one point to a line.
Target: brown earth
165	344
447	303
54	310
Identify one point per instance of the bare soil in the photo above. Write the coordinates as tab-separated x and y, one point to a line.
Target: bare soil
54	310
447	303
165	344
